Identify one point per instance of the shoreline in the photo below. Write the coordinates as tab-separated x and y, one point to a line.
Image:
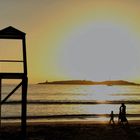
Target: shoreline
81	117
68	123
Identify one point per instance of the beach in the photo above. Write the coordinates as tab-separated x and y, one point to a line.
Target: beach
72	131
64	112
73	112
69	68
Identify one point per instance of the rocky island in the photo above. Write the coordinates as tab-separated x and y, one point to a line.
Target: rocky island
87	82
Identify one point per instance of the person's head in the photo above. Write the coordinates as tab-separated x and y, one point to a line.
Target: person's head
122	104
111	112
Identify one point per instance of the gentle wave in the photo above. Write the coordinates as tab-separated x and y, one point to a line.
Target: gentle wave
68	116
73	102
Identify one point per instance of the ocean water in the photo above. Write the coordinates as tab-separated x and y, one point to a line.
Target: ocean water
72	102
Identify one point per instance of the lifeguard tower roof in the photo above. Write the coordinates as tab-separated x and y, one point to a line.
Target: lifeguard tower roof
11	33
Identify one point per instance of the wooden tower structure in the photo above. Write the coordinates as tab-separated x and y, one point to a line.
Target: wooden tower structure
13	33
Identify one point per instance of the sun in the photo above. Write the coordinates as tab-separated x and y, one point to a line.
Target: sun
99	51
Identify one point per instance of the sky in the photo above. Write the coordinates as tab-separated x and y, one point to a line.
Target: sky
74	39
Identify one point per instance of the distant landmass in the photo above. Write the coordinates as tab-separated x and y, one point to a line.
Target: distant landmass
87	82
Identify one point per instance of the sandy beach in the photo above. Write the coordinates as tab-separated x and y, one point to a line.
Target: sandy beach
72	131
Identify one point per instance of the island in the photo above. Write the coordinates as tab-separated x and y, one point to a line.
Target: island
87	82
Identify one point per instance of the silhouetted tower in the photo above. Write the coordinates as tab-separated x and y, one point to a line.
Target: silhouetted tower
12	33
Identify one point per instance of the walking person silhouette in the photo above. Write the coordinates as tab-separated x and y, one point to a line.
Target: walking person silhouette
112	118
122	114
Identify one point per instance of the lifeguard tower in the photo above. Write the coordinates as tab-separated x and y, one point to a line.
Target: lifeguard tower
12	33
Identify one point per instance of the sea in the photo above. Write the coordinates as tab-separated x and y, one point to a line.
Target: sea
71	102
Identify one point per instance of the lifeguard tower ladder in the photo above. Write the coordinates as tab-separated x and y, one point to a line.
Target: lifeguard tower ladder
12	33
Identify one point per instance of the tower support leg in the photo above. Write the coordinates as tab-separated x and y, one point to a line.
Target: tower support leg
24	108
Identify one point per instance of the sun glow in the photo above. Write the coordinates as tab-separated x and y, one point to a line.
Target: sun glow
99	51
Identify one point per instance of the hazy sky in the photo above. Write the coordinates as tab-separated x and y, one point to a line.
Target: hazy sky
76	39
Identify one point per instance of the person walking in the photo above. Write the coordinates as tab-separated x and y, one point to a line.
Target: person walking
112	118
122	114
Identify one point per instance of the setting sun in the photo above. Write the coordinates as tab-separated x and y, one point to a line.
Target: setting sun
99	51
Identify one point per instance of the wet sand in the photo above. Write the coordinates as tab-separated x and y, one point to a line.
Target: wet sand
72	131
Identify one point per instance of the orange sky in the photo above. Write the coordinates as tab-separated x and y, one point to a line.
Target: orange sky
76	39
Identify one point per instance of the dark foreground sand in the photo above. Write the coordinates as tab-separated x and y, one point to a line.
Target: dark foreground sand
72	131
